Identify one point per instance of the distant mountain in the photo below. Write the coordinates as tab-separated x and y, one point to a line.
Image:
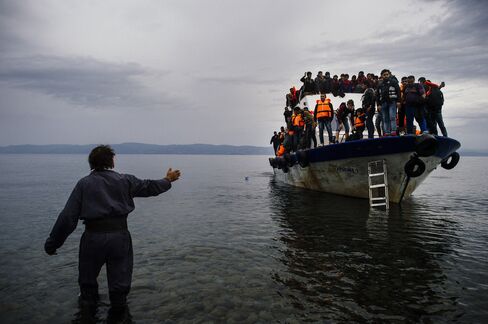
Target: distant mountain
139	148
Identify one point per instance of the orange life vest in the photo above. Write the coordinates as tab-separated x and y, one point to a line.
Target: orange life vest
358	122
281	150
297	120
323	109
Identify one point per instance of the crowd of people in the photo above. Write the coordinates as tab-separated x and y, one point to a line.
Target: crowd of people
395	104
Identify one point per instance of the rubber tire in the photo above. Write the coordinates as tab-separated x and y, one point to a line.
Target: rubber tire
272	162
289	159
414	167
302	159
452	163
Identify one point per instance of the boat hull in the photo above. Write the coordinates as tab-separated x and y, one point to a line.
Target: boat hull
343	168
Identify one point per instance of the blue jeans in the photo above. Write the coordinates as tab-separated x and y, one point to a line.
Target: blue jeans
325	123
388	112
415	112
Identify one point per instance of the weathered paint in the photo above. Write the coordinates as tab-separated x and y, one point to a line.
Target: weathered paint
349	177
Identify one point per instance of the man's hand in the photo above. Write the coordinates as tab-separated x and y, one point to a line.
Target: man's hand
50	250
172	175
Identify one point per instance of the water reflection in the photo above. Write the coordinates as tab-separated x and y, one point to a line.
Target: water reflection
89	313
345	262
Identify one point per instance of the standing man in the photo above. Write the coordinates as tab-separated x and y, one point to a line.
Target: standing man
435	101
275	140
103	199
414	97
368	104
388	95
323	114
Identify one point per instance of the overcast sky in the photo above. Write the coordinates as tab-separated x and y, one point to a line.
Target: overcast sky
216	72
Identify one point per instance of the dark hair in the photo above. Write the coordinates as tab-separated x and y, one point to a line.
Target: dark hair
350	102
384	70
411	77
101	158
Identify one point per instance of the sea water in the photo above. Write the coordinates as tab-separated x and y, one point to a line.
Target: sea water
230	244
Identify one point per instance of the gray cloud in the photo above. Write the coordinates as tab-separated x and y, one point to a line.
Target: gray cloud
82	81
241	80
451	45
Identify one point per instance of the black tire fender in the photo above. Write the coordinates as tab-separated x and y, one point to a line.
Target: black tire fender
302	159
289	159
272	162
451	161
414	167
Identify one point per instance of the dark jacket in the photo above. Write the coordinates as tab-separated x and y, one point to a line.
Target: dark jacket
412	94
327	85
369	102
101	194
309	85
435	100
388	91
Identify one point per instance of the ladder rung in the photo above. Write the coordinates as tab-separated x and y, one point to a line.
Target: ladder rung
378	198
376	174
378	204
377	186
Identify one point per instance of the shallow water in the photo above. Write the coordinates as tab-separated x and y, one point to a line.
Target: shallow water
220	248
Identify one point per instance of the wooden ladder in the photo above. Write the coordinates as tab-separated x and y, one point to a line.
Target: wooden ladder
378	184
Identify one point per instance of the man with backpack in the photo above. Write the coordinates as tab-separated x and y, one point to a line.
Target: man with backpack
414	98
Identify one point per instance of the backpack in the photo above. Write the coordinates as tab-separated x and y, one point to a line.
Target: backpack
413	95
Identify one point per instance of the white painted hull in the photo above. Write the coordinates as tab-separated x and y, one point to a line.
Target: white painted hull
349	177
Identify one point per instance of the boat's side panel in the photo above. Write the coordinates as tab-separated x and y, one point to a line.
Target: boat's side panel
350	176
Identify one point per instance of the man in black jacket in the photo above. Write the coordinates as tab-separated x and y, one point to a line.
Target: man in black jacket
388	96
435	101
103	200
309	86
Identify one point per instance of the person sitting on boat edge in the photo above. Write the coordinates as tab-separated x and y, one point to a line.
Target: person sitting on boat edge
292	97
323	115
309	86
103	200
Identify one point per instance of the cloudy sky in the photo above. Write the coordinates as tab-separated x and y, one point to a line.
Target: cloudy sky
182	72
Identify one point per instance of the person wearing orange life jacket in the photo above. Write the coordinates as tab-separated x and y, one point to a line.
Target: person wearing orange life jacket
359	122
323	115
297	124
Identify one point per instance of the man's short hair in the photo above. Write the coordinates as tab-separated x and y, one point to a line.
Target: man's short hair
101	158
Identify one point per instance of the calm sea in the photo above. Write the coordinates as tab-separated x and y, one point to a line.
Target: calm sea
229	244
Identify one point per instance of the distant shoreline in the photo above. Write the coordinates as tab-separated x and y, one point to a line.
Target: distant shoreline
140	148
